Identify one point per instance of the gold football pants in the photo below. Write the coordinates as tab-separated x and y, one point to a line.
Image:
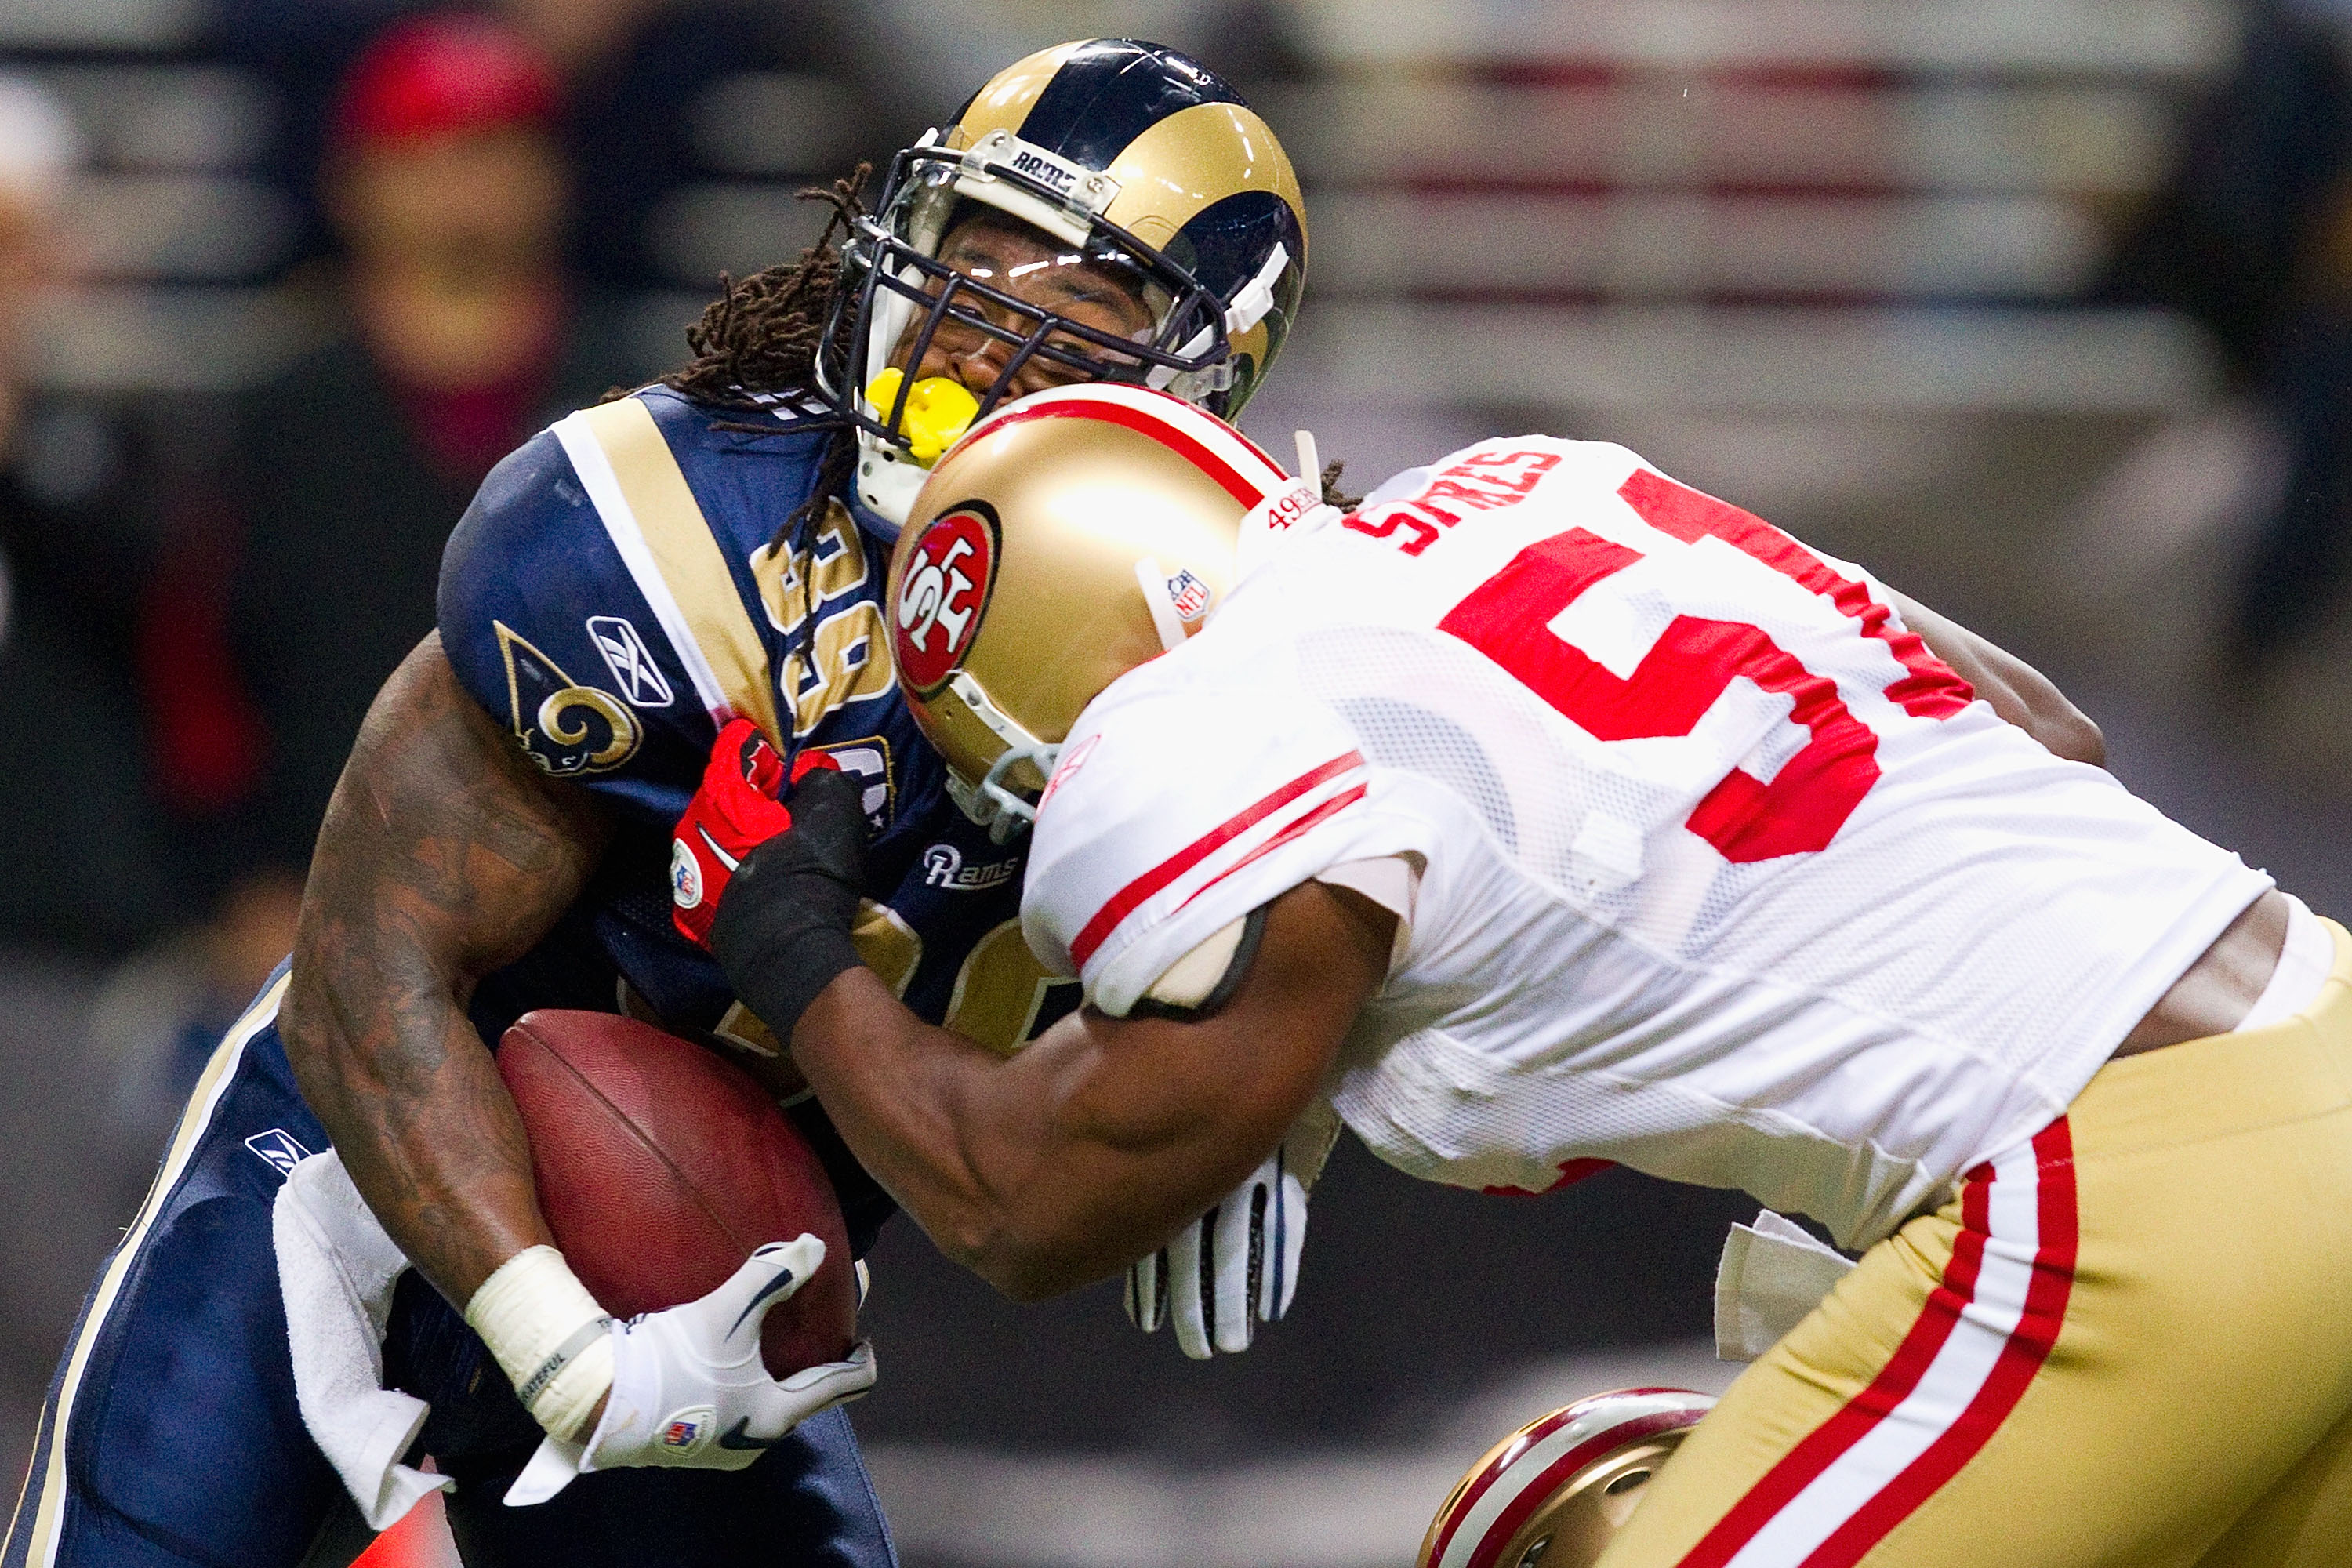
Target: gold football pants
2127	1342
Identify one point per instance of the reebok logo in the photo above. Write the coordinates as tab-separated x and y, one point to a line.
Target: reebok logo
278	1149
633	669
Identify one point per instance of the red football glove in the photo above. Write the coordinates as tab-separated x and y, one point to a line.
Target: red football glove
735	811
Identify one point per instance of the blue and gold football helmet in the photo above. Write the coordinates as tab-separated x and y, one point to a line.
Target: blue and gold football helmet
1129	154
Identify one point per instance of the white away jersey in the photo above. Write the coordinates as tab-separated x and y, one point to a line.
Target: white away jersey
1723	874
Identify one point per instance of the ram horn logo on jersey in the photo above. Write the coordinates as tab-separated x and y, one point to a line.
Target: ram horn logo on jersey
633	669
278	1148
944	593
867	761
944	866
566	727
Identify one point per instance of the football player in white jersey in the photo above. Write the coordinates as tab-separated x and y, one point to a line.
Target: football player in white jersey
1543	812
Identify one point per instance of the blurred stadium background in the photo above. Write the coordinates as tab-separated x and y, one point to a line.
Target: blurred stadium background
2043	309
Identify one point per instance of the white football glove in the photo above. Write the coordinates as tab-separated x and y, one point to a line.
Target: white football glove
688	1388
1237	1266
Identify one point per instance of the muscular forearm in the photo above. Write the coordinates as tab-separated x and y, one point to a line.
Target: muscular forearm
1093	1144
441	858
412	1098
913	1102
1028	1172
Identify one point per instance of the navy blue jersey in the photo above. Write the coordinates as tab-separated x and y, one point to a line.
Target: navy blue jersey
612	597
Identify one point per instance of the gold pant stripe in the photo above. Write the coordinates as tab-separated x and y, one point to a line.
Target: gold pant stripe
2194	1409
626	467
201	1102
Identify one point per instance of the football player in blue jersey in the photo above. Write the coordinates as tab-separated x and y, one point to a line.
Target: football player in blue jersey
349	1199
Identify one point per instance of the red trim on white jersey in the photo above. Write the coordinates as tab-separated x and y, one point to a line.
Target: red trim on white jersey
1215	448
1124	902
1967	1361
1337	804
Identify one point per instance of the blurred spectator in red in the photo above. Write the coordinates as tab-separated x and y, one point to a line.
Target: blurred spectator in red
78	875
639	107
2253	234
448	190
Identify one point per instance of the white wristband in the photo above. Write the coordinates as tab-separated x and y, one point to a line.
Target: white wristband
550	1336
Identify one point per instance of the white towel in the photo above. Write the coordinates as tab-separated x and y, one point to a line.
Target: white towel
336	1267
1771	1274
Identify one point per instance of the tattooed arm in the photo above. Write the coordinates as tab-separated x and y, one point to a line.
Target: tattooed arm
445	855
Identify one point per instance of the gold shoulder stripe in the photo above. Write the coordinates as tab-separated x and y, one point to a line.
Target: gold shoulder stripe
1010	95
1197	155
686	553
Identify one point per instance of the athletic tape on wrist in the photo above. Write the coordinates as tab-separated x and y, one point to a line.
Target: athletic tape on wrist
548	1336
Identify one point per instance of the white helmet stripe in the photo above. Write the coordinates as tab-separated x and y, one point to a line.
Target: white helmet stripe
1485	1518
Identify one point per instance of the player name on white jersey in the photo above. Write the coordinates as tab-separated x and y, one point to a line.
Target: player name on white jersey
1722	874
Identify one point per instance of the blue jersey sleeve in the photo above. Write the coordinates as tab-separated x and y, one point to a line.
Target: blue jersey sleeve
547	631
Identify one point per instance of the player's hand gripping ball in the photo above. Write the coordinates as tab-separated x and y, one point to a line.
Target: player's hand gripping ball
693	1210
737	809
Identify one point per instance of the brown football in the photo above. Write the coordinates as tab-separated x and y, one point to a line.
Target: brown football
660	1167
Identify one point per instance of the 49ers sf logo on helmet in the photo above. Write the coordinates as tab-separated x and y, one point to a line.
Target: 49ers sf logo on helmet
943	594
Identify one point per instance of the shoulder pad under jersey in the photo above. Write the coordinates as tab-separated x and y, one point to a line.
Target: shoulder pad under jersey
1178	807
596	598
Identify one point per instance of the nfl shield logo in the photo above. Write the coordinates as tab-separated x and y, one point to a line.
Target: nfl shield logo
685	876
1189	595
681	1434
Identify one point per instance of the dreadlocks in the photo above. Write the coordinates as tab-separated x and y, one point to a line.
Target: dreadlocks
762	336
1328	479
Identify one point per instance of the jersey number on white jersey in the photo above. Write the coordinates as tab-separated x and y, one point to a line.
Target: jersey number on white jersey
1685	672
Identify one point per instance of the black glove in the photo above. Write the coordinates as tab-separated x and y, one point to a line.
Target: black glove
782	930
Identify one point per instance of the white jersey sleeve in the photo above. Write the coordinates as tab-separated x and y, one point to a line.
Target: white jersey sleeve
1182	802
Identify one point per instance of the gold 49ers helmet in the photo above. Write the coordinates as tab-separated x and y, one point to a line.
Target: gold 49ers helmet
1068	538
1129	154
1552	1493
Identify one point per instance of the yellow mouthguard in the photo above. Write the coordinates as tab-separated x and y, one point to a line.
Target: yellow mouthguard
938	411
